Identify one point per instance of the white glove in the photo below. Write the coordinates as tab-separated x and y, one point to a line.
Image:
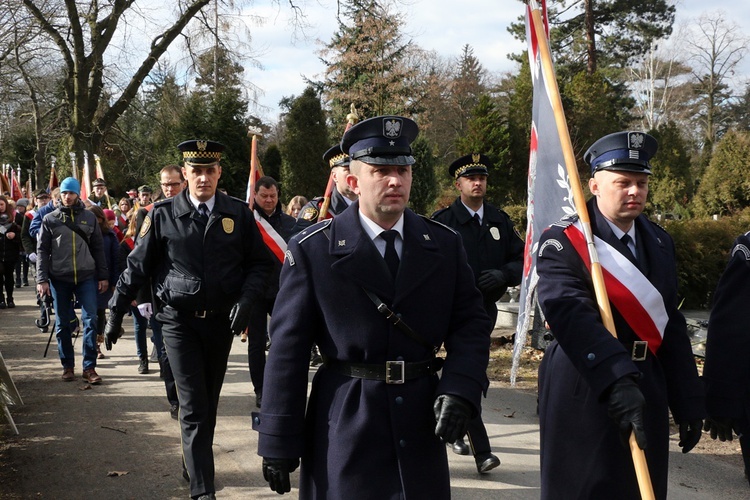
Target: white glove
145	310
32	258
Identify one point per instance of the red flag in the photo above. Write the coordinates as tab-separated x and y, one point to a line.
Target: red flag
549	193
85	178
256	169
53	182
15	187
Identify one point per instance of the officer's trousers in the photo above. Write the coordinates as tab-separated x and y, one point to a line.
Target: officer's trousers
198	349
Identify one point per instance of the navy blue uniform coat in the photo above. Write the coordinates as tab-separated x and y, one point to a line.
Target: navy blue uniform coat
366	439
727	368
581	453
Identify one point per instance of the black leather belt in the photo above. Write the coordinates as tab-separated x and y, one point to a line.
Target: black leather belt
638	349
210	313
391	372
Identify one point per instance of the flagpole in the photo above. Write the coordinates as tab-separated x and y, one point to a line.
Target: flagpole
253	133
100	175
351	119
600	290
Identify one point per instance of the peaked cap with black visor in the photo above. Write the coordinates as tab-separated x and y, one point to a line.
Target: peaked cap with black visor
381	140
622	151
200	153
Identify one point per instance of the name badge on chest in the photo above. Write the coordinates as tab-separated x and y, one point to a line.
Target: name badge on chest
228	225
495	232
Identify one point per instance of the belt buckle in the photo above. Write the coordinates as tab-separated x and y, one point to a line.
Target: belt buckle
640	349
201	314
394	372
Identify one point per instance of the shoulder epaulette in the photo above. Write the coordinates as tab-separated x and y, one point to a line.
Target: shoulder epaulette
314	229
566	221
159	203
658	225
439	224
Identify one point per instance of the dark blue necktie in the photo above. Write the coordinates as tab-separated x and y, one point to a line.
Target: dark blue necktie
203	212
391	257
626	239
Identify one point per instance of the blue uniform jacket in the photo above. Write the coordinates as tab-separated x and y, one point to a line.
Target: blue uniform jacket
727	368
585	359
364	438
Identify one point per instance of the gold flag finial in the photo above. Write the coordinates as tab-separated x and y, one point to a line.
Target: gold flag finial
352	117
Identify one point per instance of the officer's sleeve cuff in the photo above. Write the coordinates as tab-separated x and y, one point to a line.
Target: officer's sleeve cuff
275	444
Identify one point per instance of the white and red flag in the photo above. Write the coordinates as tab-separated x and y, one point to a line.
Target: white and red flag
550	197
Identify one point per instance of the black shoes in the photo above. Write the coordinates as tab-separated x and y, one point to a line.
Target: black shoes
3	305
11	304
486	462
174	411
143	366
460	447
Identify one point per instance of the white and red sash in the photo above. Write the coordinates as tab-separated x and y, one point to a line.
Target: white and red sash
631	293
271	237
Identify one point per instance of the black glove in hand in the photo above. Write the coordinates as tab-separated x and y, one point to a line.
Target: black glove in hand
276	471
492	284
690	434
452	414
718	427
626	405
240	316
113	329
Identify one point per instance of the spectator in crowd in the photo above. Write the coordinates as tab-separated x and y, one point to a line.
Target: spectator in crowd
36	222
99	196
295	205
22	265
10	248
71	262
144	196
110	244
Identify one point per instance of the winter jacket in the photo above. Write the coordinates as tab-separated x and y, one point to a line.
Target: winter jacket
67	255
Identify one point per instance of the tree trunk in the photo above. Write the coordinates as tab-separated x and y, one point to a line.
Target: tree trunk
590	36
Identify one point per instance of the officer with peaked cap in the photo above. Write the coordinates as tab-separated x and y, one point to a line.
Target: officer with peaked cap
208	263
495	254
341	197
378	380
594	388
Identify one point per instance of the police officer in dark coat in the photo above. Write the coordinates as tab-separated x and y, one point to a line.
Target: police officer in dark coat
341	197
594	388
370	430
727	367
495	254
266	205
208	264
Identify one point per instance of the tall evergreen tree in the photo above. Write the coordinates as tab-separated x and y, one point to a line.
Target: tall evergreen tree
365	62
488	134
306	139
424	184
670	184
220	114
725	187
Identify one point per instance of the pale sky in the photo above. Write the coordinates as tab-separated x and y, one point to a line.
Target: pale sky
440	25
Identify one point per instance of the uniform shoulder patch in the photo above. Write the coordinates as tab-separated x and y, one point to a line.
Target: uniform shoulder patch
741	248
145	227
309	213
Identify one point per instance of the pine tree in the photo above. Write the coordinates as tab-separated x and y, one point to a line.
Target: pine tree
365	63
424	184
303	171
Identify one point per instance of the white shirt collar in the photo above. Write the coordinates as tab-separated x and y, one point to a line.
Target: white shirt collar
479	212
209	204
619	232
373	230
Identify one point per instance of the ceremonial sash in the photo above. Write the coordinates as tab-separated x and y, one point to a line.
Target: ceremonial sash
632	294
271	237
130	243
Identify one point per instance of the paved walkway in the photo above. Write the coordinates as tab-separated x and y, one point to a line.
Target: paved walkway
117	441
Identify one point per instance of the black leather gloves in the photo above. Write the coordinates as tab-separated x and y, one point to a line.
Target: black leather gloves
492	284
690	434
452	414
240	316
276	471
119	305
626	404
719	427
